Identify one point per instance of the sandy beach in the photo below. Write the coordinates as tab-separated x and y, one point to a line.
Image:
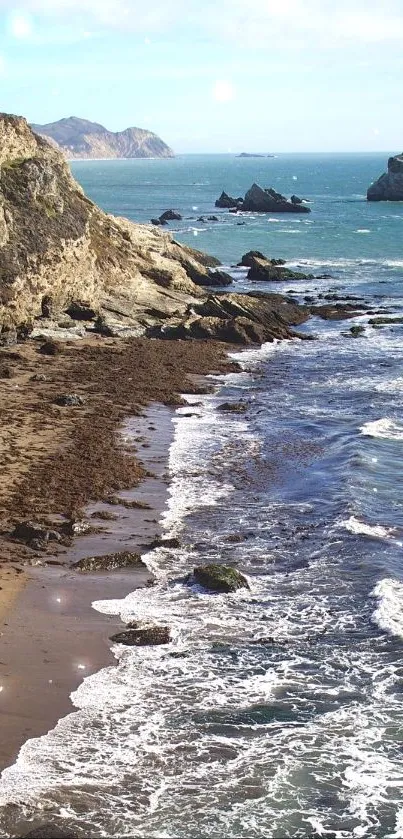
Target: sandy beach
91	463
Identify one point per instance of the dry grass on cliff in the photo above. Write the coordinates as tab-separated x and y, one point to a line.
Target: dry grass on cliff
54	459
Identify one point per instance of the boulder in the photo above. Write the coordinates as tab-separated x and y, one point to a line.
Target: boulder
80	311
170	215
34	532
295	200
219	578
212	218
143	637
157	222
69	400
109	562
220	278
50	348
389	187
226	202
260	200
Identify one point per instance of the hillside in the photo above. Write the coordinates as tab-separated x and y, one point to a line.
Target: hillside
79	138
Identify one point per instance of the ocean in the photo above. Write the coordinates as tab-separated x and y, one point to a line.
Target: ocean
274	712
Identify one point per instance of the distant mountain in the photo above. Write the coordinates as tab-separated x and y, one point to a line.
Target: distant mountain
79	138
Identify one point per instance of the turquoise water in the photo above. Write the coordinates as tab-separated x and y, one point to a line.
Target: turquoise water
275	712
336	186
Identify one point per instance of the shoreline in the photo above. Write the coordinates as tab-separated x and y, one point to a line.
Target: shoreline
68	639
51	636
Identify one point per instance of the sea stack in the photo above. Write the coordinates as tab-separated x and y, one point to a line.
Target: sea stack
389	187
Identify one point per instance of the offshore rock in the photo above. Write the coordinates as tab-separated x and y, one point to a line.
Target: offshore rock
270	270
219	578
389	187
249	259
226	202
170	215
269	201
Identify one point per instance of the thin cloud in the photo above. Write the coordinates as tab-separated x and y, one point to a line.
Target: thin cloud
258	23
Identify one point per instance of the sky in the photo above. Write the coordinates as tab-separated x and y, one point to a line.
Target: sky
212	75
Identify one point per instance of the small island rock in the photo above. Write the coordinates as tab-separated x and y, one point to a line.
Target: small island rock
389	187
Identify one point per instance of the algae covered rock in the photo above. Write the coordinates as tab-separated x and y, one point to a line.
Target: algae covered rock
109	562
221	578
145	636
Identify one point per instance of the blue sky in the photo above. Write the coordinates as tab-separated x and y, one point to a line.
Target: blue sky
239	75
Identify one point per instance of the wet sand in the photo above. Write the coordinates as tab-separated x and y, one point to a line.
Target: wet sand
52	638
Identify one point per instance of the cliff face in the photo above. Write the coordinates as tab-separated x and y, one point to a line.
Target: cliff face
79	138
62	259
389	187
55	243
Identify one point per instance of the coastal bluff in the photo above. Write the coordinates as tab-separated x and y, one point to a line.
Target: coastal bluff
63	259
389	187
80	138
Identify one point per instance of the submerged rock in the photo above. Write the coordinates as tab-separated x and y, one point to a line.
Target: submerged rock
339	311
383	320
49	831
389	187
143	636
233	407
357	331
109	562
220	578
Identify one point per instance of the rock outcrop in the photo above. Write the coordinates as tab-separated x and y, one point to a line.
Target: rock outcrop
219	578
389	187
262	269
60	253
259	200
226	202
80	138
237	319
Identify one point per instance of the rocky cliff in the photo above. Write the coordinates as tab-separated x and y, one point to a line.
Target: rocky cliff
63	260
79	138
389	187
